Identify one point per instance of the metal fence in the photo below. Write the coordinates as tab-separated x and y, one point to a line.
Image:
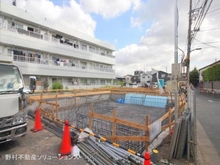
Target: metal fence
192	134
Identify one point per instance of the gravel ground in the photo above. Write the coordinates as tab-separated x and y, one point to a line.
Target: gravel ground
134	113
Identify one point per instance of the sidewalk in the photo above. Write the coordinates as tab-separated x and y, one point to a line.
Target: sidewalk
207	154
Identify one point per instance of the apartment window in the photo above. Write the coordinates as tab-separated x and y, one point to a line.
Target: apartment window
9	51
37	30
84	47
19	26
30	29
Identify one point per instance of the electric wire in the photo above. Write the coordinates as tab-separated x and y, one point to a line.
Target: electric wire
207	44
213	10
201	16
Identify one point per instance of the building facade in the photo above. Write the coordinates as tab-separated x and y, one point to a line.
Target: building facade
51	52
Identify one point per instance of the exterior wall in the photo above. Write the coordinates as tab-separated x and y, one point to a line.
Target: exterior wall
216	85
135	79
200	74
207	85
44	22
161	75
47	70
128	79
144	78
212	85
13	38
92	66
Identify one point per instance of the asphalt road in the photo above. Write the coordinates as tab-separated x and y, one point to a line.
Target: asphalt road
35	148
208	114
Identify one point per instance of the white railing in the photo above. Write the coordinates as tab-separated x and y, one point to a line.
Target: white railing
55	40
36	60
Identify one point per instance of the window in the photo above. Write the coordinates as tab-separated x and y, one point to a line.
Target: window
19	26
163	75
84	47
37	30
30	29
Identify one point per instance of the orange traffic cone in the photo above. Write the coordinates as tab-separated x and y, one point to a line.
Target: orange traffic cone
147	158
37	125
66	147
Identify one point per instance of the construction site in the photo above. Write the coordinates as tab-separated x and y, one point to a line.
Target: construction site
126	118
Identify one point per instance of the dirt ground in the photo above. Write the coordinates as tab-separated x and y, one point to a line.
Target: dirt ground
163	154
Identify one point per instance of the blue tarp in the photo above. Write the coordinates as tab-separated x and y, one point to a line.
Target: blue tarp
120	101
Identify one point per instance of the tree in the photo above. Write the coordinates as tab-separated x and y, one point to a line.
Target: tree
194	77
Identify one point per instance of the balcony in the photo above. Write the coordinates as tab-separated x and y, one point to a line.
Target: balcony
56	40
27	39
40	66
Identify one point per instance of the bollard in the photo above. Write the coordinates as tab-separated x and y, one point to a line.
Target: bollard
154	156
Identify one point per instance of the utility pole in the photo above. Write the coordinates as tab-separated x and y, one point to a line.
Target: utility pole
188	51
176	56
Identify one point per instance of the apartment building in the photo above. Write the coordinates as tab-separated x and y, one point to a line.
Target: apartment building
51	51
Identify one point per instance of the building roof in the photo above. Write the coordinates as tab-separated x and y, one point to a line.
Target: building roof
210	65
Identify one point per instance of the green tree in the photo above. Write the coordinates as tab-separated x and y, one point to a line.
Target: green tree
194	77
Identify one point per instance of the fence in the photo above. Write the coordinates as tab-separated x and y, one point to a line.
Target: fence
192	133
129	134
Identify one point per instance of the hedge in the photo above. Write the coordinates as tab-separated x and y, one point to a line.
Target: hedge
212	73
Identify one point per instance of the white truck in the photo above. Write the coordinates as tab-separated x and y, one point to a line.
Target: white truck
13	100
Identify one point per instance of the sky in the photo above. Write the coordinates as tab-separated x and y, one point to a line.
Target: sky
142	31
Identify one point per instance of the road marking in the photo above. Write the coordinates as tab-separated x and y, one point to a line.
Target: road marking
210	101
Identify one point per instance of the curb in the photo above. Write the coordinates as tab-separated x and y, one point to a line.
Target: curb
206	152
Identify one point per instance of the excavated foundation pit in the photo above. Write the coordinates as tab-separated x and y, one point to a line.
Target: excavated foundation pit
77	112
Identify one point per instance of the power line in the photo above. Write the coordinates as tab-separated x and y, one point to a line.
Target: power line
201	16
213	10
214	42
209	29
207	44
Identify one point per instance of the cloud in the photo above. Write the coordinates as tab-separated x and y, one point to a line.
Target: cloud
156	48
68	14
109	9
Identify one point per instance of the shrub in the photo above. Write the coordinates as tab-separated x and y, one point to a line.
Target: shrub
57	85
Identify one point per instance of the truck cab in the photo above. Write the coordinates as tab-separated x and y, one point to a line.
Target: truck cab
13	100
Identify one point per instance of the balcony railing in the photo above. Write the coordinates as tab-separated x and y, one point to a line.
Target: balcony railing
55	40
36	60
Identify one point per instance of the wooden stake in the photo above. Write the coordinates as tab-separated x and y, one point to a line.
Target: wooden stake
169	121
91	116
114	126
56	106
147	132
